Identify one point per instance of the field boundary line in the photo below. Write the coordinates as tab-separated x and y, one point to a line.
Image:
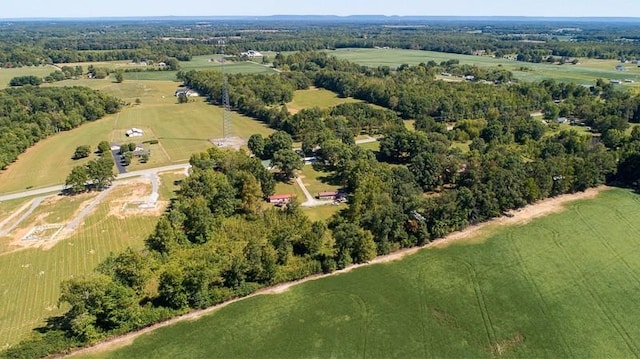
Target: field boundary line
536	210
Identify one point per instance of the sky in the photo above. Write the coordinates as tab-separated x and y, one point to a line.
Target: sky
92	8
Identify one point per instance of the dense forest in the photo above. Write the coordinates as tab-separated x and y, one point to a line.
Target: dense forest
39	42
218	240
29	114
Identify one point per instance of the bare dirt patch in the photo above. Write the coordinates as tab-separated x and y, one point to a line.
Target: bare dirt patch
231	142
524	215
503	346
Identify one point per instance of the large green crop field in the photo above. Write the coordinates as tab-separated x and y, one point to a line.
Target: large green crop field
180	129
585	73
31	278
565	285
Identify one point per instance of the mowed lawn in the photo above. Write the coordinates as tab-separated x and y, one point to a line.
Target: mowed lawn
315	97
585	73
180	129
31	278
317	181
565	285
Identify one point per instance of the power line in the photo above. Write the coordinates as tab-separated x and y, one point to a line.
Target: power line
226	107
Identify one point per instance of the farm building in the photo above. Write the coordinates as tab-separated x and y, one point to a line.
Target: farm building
251	54
280	199
330	195
134	132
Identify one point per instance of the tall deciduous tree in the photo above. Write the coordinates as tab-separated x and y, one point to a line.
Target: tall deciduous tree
77	180
82	152
287	162
104	147
100	172
256	144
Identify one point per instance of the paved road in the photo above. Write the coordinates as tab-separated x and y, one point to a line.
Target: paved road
59	188
116	158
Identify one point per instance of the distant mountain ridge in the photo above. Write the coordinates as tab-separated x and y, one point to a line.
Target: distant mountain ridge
336	18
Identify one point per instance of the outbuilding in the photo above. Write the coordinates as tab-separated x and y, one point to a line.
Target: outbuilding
280	199
329	195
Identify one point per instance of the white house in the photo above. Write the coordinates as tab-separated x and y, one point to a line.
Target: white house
251	54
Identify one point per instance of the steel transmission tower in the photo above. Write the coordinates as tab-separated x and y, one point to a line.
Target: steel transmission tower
226	108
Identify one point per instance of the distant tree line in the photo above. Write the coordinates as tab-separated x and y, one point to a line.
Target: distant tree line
39	43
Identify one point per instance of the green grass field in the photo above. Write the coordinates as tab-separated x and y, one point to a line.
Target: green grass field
170	184
290	188
373	146
565	285
181	130
7	74
585	73
201	63
316	181
30	284
315	97
322	213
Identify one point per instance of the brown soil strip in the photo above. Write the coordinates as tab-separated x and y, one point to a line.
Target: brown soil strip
522	216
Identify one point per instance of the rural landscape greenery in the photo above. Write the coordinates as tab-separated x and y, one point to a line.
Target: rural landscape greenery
425	130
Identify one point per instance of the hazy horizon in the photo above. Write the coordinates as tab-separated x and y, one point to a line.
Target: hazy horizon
205	8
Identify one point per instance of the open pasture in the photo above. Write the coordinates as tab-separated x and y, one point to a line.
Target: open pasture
317	181
315	97
6	74
322	213
204	62
29	289
565	285
586	72
182	129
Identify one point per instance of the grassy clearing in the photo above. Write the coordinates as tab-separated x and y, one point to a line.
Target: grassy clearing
7	74
372	146
181	130
565	285
29	289
322	213
317	181
290	188
315	97
462	146
170	184
585	73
